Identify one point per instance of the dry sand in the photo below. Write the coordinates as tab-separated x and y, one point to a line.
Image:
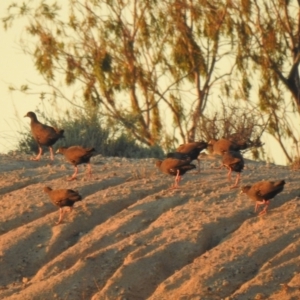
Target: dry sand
133	238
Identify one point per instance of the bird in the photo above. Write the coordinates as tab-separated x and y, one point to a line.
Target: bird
233	161
224	145
262	192
62	198
77	155
175	167
43	134
189	150
243	144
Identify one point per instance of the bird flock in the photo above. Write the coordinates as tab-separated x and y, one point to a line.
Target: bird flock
47	136
176	164
179	162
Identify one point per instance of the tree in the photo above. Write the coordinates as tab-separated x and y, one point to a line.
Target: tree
202	39
269	50
151	67
144	64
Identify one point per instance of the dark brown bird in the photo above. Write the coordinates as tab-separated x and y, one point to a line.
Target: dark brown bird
77	155
243	144
63	198
189	150
175	167
43	134
262	192
233	161
224	145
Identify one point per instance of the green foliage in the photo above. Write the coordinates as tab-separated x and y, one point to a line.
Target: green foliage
125	54
152	65
88	131
125	146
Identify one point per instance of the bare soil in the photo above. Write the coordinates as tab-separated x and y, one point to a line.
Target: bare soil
132	237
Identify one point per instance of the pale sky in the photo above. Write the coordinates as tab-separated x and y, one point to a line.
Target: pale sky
16	69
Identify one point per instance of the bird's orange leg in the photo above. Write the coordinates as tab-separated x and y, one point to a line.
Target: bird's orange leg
61	214
229	174
51	153
258	203
89	171
198	166
238	176
74	175
264	211
177	180
39	154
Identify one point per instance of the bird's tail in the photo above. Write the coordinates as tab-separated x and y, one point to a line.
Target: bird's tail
60	133
178	155
279	183
91	149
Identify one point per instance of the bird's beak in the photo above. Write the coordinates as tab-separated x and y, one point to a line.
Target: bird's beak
57	151
241	192
25	116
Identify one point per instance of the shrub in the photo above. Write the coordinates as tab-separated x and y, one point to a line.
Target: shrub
89	131
126	147
240	125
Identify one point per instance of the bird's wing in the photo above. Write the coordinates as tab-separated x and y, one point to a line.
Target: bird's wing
228	160
73	195
77	151
266	188
186	148
43	133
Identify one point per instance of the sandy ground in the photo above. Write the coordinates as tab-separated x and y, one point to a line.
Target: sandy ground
133	238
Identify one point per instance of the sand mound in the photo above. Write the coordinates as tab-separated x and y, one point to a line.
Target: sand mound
133	238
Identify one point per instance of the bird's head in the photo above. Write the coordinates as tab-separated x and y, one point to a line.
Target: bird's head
245	189
31	115
47	189
158	163
203	144
61	150
211	142
60	132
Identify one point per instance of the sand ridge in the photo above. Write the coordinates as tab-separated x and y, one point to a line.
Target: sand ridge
133	238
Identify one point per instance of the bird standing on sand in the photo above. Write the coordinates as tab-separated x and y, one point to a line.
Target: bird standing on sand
189	150
63	198
175	167
224	145
43	134
233	161
262	192
77	155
